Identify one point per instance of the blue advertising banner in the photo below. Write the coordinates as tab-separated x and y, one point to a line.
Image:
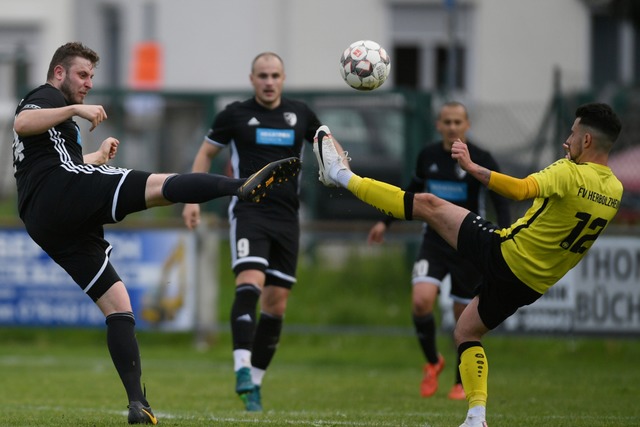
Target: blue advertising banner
157	266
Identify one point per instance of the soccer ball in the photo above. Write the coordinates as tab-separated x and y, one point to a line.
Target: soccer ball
364	65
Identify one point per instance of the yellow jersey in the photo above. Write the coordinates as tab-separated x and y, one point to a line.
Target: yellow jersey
575	204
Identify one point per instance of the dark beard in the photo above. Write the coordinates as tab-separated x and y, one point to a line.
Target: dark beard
65	88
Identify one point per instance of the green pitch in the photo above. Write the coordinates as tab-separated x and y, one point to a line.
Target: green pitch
324	374
65	378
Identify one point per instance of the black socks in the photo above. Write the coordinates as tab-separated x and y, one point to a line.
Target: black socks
199	187
266	340
426	332
243	316
123	347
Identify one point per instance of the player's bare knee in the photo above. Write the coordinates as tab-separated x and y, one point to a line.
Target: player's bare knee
422	307
458	335
154	191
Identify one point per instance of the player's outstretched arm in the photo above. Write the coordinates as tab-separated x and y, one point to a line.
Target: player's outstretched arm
92	113
106	152
505	185
460	152
36	121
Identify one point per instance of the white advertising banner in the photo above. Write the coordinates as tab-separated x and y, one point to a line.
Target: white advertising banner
601	295
157	266
607	287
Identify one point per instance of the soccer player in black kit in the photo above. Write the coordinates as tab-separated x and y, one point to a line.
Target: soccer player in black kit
265	237
65	198
437	173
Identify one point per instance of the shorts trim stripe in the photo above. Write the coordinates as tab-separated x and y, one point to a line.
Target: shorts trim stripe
281	275
114	204
465	301
255	259
232	233
97	276
422	279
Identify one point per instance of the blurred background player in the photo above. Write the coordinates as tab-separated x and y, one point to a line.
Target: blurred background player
264	239
437	173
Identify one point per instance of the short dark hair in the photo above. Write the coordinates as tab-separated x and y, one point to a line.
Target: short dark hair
600	117
260	55
66	53
454	104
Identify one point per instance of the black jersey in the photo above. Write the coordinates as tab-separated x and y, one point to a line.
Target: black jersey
64	202
258	136
439	174
35	156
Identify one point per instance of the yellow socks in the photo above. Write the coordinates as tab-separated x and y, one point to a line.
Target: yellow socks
474	371
388	199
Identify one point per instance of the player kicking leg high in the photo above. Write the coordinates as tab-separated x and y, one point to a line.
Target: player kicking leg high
520	262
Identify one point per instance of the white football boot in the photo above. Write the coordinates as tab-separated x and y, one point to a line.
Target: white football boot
329	160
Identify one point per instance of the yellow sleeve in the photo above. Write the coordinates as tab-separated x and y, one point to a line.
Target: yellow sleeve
513	188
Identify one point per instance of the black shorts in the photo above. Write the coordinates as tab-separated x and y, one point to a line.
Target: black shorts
270	246
501	292
67	215
436	259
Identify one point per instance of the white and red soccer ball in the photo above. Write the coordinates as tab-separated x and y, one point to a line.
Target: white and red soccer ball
365	65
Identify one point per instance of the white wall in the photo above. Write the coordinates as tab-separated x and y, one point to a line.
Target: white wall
208	44
517	44
53	21
212	49
38	25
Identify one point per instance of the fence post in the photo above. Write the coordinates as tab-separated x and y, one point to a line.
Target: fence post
207	284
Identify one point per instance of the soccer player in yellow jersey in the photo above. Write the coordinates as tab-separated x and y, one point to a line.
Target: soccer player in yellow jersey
574	199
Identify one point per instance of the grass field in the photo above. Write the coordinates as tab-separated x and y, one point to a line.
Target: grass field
366	373
65	378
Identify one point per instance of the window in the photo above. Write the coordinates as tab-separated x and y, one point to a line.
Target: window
449	73
407	75
112	35
605	55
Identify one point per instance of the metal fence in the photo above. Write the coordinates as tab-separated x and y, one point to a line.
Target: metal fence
161	131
